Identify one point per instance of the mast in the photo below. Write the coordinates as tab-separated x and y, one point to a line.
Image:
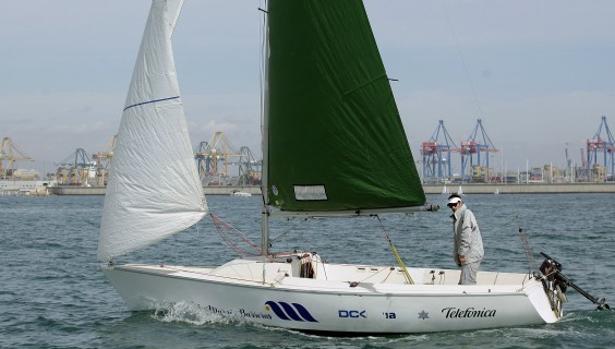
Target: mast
265	137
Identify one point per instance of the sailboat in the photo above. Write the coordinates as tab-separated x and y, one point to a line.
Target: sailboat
333	145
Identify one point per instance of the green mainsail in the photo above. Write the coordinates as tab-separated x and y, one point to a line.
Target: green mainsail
335	138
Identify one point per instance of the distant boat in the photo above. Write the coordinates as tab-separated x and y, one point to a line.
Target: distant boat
497	191
444	190
241	194
460	191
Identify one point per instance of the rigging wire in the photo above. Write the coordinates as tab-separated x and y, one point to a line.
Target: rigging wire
279	236
222	228
466	70
524	237
400	262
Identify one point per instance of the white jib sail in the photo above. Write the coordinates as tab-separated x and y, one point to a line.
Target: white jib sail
154	190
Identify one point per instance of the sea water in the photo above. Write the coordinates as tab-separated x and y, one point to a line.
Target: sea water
53	294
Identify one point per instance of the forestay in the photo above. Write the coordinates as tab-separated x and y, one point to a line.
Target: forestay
335	141
153	189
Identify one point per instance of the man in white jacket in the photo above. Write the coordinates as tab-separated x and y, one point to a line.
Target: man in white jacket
468	248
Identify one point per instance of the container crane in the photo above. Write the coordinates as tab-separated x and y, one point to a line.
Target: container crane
215	157
436	154
76	168
476	145
602	142
203	160
10	153
103	160
249	168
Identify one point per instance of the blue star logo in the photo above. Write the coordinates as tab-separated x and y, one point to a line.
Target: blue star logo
423	315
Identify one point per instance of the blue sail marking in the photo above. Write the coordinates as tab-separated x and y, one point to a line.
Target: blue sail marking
276	309
293	311
304	312
290	311
149	102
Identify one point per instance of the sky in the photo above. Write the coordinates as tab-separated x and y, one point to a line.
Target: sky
537	72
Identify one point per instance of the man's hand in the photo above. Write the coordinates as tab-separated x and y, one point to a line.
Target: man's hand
462	259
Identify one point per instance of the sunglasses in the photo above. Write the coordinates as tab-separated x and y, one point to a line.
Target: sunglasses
452	205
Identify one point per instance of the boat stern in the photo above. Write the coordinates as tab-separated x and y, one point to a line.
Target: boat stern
547	302
548	292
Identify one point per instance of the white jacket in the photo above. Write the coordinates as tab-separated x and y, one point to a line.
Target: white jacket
468	240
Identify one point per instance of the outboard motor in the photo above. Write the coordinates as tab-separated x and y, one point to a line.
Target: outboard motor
554	288
552	269
555	284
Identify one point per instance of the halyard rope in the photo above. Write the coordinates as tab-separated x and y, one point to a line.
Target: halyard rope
400	262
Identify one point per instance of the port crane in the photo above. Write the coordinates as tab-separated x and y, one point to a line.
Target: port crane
103	160
475	152
436	154
10	153
214	158
203	160
249	168
602	142
76	168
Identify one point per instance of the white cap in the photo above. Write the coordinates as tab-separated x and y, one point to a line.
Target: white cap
454	200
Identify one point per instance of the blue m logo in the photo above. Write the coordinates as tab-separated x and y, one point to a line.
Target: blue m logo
290	312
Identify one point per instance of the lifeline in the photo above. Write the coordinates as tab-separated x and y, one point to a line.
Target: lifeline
452	312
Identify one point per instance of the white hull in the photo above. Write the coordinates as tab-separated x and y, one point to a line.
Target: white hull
379	303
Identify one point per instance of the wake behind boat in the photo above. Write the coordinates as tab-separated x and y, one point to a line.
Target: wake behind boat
328	108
